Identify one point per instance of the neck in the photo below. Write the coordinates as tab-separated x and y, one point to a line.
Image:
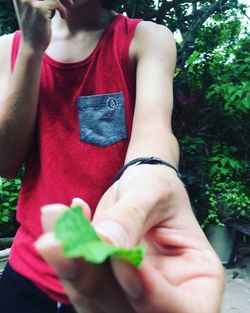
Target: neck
90	16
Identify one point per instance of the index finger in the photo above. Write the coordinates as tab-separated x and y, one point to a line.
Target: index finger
17	5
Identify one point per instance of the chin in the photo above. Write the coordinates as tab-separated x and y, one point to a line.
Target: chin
78	3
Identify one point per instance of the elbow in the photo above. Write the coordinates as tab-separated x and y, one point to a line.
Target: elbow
9	173
10	165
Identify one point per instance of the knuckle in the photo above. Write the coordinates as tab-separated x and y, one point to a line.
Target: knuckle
138	215
27	3
134	220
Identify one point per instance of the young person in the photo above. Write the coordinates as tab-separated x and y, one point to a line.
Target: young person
82	93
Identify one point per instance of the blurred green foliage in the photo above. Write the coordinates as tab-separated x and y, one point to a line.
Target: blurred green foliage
8	22
226	199
9	191
212	122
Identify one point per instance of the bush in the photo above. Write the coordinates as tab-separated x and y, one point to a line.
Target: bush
9	191
212	124
226	199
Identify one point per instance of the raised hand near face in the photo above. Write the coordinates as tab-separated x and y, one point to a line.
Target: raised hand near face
34	18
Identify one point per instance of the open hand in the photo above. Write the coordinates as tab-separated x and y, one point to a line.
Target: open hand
180	274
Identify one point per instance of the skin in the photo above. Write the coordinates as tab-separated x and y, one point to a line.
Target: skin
181	273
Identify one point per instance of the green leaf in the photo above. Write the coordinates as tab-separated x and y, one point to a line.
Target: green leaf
5	219
79	239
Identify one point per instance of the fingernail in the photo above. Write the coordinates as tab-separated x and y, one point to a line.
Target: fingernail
49	214
129	279
83	205
45	241
53	208
113	232
77	202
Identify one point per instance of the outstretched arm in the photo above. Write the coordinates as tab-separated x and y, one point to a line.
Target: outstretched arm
154	51
181	273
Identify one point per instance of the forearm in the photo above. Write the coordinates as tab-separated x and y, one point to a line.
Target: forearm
157	142
18	110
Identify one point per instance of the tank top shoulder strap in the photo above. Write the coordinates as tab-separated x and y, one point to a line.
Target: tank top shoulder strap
15	47
129	30
130	27
121	33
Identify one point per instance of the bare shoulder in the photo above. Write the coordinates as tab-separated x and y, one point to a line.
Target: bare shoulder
152	38
150	30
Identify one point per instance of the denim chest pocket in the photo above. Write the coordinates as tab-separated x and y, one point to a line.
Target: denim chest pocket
102	119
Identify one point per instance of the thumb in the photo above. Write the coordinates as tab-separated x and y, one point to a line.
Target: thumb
124	223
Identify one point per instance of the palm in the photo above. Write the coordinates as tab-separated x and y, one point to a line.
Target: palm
177	249
180	273
188	270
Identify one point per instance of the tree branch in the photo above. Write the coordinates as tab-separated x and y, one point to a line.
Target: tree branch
189	37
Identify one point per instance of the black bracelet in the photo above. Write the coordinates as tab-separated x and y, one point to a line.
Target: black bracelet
145	160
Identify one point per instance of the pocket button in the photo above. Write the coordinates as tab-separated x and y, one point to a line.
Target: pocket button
112	103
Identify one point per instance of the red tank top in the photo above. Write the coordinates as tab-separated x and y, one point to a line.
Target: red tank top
84	123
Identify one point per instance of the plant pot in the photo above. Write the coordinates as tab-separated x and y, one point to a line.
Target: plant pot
4	255
224	240
5	244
